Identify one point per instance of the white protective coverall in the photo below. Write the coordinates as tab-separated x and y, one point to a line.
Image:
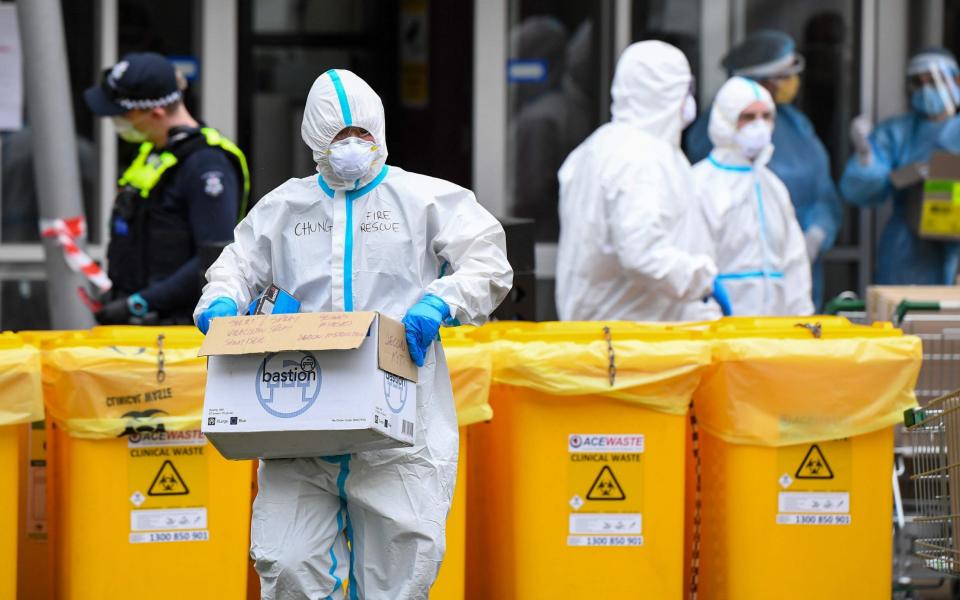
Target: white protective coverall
378	243
632	243
758	242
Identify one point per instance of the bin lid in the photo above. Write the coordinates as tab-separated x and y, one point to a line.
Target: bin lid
44	337
170	332
655	366
21	391
777	391
813	327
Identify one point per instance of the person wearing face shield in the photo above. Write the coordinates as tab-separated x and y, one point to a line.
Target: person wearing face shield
800	159
185	187
632	243
759	247
932	124
410	247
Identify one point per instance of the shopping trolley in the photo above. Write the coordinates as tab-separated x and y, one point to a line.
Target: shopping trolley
937	324
933	432
848	305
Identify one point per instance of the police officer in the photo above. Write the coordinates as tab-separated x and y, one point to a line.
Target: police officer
187	186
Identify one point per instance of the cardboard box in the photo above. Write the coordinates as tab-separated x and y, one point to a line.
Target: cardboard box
933	196
308	384
938	330
882	300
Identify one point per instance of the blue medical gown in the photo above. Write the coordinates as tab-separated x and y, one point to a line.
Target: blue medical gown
801	162
903	258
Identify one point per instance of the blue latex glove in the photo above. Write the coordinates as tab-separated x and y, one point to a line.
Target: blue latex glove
422	323
220	307
719	294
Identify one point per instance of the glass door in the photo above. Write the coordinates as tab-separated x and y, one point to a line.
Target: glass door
827	34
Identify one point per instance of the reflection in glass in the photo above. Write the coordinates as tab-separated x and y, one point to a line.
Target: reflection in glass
283	77
315	16
20	217
676	22
23	305
553	74
822	29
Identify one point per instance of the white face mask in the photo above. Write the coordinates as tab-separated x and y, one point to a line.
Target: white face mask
350	158
689	111
753	137
127	131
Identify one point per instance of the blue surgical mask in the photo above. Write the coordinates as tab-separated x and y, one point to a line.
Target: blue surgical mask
927	101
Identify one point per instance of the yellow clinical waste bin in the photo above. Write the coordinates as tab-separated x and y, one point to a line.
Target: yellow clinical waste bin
794	448
21	403
140	503
577	486
34	576
471	366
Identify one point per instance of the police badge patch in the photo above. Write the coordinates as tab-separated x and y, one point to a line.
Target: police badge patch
212	183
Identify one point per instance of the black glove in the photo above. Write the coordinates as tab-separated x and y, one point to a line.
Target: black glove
114	312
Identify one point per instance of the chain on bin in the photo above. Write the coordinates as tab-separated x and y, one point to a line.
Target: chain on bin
611	355
815	329
161	360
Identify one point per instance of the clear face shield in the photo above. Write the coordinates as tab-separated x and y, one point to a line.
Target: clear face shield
932	81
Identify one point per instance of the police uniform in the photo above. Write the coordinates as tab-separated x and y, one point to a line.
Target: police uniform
170	200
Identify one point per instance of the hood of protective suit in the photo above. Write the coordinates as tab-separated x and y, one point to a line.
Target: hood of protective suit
649	87
340	99
734	96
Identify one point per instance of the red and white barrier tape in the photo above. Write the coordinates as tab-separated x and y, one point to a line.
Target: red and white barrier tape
66	232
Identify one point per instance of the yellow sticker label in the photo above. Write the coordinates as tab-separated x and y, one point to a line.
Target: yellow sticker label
167	470
605	489
605	477
168	482
606	486
940	217
36	509
824	466
38	444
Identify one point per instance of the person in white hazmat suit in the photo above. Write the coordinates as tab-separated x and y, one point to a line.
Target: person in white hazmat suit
758	244
384	236
633	245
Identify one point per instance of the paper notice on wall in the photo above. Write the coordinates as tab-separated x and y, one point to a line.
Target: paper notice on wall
11	71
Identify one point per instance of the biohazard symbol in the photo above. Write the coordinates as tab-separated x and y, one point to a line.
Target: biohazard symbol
168	482
814	465
606	487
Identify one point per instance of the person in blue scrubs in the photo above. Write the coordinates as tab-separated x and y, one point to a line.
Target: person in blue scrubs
932	123
799	159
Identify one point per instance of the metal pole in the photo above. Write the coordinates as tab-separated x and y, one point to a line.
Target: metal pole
55	162
490	51
218	64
